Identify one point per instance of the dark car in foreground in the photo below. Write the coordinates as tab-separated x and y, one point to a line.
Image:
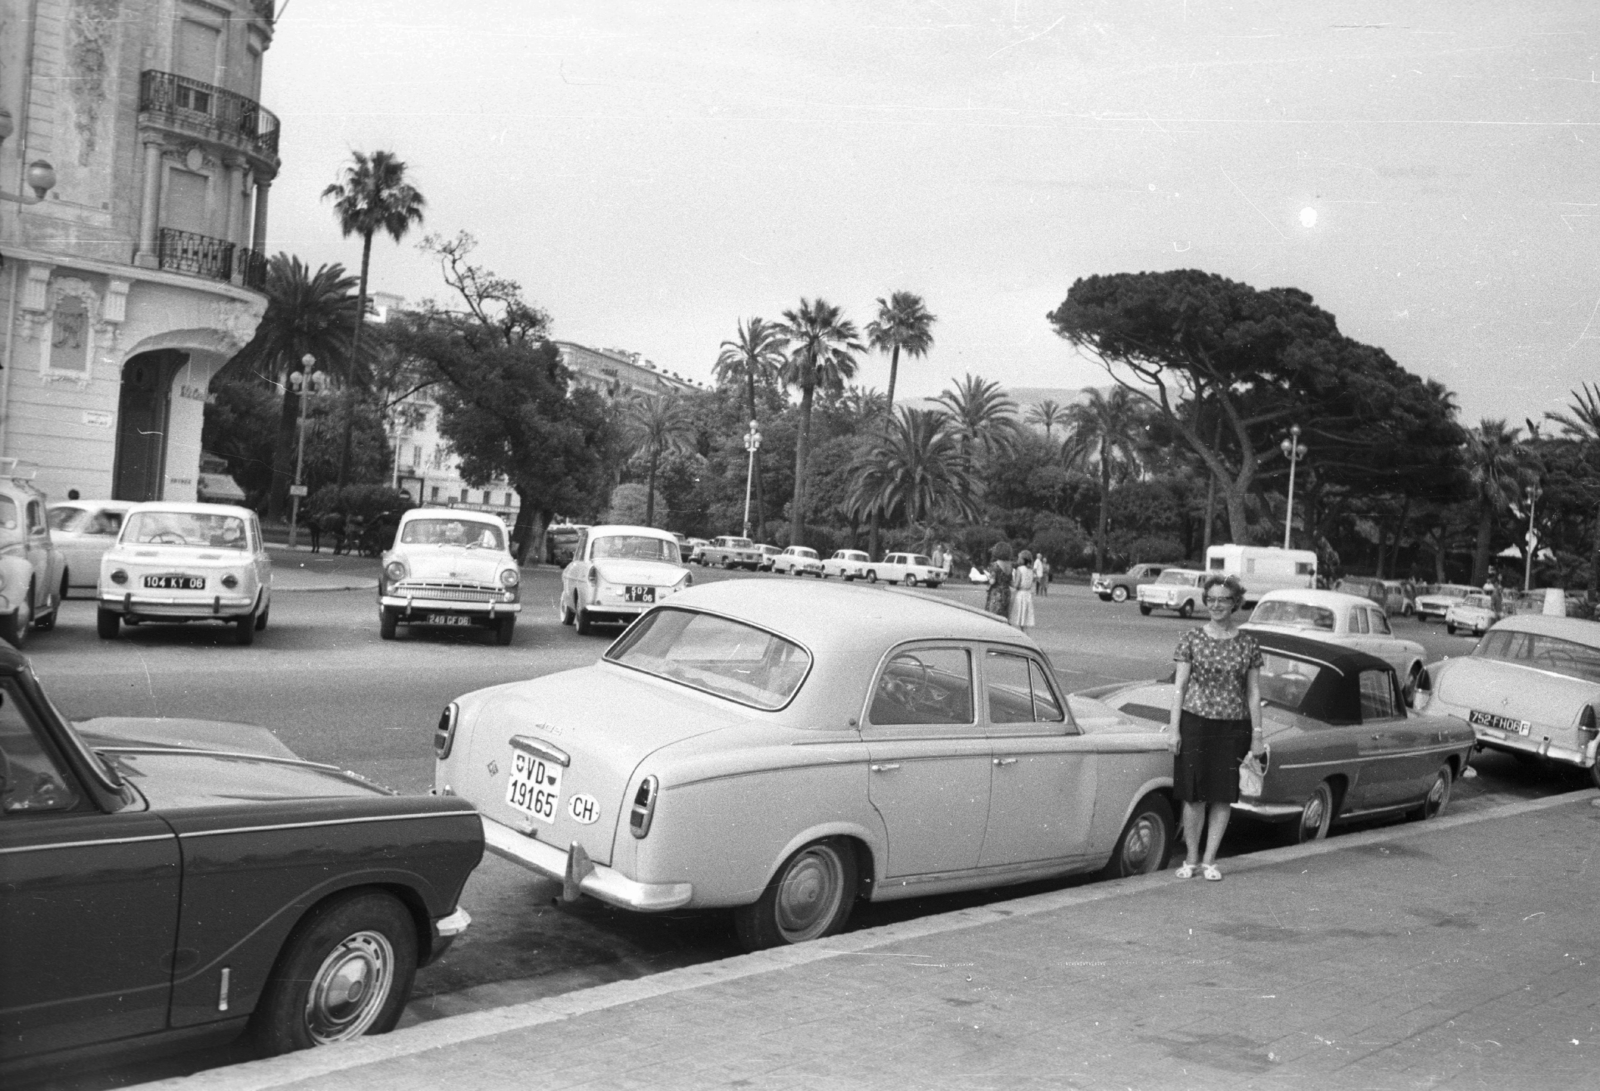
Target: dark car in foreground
170	883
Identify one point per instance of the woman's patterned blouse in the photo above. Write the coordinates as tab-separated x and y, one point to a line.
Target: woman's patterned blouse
1217	670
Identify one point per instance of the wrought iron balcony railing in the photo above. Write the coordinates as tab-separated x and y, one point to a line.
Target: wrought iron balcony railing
186	252
228	117
252	269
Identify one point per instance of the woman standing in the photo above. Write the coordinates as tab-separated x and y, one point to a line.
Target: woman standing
1023	582
998	600
1216	721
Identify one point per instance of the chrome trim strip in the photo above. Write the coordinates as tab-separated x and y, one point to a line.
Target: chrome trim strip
327	822
1387	755
86	844
541	749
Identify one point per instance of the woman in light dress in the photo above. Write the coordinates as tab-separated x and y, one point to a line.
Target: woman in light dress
1023	582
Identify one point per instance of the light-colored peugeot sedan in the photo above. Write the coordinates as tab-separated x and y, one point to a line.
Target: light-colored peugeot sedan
907	568
1531	687
847	564
83	530
449	567
785	750
186	562
1351	621
619	573
798	561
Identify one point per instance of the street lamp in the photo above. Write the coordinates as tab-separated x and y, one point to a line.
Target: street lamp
305	384
1294	451
41	176
1532	492
752	443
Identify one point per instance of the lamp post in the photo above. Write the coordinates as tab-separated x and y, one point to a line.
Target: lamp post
306	383
41	176
1294	451
752	443
1532	493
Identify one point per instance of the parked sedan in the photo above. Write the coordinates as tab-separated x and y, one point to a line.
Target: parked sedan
1121	586
178	562
167	882
731	551
847	564
1177	589
798	561
618	574
1397	597
907	568
1474	614
786	750
1352	621
769	554
83	530
1340	742
451	567
1437	599
1531	687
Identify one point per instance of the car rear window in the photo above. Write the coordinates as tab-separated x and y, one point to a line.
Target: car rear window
1550	653
716	655
636	547
1285	682
182	528
1300	615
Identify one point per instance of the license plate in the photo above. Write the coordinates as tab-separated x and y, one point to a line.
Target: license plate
534	786
1499	723
448	619
640	594
176	583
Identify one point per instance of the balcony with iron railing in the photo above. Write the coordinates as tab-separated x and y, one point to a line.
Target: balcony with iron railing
200	109
199	255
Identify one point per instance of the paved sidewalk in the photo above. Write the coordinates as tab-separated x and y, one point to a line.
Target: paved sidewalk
1461	953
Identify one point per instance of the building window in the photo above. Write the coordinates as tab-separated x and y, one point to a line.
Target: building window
434	494
463	496
416	455
70	339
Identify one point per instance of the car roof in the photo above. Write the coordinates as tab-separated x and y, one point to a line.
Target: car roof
453	513
192	507
1567	628
106	505
1344	659
622	528
1314	597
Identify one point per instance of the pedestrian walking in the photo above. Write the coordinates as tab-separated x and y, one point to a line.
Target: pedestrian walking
1216	721
1023	583
1040	566
998	600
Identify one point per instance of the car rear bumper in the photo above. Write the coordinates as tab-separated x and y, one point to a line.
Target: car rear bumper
445	931
579	875
1581	756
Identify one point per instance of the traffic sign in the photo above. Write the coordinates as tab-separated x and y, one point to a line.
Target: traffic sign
298	490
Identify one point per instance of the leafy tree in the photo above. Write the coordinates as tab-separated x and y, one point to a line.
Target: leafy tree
1104	432
915	470
633	505
1496	460
755	358
981	414
1581	424
1048	414
659	423
824	347
903	324
372	196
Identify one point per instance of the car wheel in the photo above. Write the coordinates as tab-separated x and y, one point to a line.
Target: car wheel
345	971
1413	680
872	575
504	629
106	623
1186	609
1438	797
565	612
810	897
1449	628
909	581
1315	817
1145	841
1119	594
727	563
14	629
261	622
244	629
1143	609
583	623
388	622
1594	775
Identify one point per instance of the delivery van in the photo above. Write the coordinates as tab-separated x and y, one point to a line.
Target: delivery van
1263	568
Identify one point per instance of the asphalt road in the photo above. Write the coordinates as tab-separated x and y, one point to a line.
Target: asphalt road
325	683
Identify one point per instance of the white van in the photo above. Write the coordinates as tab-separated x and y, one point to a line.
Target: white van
1263	568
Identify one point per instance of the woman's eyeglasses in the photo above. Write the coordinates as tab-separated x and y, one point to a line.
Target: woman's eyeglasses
1212	600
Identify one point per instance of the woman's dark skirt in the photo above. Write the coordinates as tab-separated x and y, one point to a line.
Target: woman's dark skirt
1206	768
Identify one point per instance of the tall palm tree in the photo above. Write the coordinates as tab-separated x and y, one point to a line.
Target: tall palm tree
1048	413
864	405
1495	461
1104	431
981	414
306	313
658	423
915	470
823	353
1581	422
903	324
373	195
754	358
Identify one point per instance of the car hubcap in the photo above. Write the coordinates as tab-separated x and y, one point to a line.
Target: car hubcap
810	894
350	988
1437	794
1141	846
1311	818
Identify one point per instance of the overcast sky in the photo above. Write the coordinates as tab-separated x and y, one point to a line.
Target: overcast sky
652	172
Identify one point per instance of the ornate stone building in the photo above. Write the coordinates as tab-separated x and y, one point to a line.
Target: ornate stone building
139	272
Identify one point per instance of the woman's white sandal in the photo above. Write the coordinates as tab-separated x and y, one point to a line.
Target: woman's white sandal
1187	871
1211	873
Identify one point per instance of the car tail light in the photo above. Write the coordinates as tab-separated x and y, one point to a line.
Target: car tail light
594	576
644	807
444	735
119	577
1586	721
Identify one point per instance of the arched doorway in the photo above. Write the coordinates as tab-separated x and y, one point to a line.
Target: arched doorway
144	412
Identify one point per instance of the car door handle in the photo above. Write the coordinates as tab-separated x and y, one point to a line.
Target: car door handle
885	767
1005	761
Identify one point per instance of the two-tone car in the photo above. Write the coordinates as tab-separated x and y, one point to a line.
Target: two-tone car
1177	589
620	572
847	564
731	551
33	572
1473	614
449	568
1436	599
1122	586
907	568
798	561
785	751
1352	621
177	562
168	883
1531	687
83	530
1340	742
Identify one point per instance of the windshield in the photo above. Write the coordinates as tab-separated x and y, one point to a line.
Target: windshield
10	520
1479	600
1300	615
1171	576
1548	653
634	547
457	532
715	655
185	528
850	555
736	543
1284	681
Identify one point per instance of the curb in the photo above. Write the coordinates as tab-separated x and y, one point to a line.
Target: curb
455	1030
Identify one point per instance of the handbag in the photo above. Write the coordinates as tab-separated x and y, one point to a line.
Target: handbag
1252	776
